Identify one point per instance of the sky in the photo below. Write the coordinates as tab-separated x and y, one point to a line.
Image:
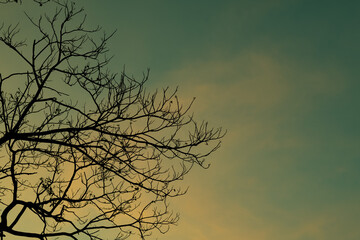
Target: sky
282	77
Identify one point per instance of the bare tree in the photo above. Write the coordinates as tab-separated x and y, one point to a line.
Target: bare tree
86	151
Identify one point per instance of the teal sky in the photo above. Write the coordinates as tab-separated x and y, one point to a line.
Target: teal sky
282	76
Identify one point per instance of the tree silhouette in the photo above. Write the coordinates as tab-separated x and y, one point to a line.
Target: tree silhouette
86	151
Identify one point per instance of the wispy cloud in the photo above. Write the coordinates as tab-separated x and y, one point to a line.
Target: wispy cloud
258	98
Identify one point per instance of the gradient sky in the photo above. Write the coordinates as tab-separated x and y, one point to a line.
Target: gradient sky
282	77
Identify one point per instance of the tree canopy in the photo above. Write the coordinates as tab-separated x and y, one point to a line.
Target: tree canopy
86	150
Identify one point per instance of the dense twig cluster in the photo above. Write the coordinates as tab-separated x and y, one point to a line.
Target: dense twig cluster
87	150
